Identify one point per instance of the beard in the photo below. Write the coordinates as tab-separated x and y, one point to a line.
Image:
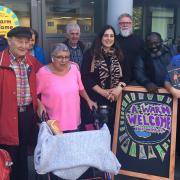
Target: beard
126	32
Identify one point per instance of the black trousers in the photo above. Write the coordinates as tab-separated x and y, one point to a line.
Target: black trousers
19	154
91	173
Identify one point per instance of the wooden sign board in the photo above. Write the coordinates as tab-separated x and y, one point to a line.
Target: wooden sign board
145	133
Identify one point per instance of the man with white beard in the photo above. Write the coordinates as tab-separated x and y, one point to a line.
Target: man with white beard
131	45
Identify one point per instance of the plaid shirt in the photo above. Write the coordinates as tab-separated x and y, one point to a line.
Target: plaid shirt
23	89
76	55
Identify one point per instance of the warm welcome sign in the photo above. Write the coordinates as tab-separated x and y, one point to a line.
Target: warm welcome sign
8	20
144	137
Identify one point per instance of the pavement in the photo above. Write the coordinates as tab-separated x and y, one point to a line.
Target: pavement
32	175
177	172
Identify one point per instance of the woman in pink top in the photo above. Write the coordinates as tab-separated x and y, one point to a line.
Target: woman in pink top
60	86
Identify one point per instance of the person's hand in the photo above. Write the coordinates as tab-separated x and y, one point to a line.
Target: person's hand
40	109
107	94
151	87
92	104
122	84
116	92
175	92
111	97
104	92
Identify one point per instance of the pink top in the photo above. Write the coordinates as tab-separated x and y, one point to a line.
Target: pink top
60	96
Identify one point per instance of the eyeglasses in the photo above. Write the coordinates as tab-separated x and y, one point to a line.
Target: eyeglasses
60	58
125	23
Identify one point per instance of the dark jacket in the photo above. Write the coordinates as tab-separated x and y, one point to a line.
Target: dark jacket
149	69
132	47
3	43
90	79
76	54
80	43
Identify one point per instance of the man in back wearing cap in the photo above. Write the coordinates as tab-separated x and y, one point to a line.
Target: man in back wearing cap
18	100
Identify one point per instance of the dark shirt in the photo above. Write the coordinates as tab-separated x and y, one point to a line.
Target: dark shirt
90	79
76	54
152	69
3	43
132	47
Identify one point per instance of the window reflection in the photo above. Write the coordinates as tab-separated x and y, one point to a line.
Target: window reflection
58	24
159	16
137	20
21	9
59	13
162	21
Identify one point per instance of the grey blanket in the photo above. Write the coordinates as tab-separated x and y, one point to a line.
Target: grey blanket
69	155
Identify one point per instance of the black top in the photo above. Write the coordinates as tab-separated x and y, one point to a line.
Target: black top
132	47
76	54
149	69
90	79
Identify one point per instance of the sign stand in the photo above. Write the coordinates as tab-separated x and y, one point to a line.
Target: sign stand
145	133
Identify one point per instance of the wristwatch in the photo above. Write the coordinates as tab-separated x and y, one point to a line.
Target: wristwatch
121	85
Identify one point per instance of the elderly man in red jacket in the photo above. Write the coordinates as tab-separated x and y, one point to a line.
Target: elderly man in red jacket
18	100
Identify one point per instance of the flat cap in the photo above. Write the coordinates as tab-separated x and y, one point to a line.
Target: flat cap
20	31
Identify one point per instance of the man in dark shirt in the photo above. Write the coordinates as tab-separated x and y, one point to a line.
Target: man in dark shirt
131	45
150	70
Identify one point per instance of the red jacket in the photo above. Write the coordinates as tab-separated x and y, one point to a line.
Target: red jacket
8	99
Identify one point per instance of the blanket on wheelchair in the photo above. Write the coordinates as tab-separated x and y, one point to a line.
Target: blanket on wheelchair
69	155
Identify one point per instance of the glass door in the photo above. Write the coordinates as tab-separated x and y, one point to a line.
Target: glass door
161	16
88	14
21	8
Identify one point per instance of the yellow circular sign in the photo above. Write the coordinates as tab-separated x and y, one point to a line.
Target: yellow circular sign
8	20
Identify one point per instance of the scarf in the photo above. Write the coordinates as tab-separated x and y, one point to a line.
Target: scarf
108	67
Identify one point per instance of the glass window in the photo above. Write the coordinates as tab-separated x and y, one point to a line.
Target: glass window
61	12
160	16
137	20
21	8
162	21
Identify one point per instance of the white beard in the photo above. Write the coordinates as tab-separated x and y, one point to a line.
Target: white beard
126	32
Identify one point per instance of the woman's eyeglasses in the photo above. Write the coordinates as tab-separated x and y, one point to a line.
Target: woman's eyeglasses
60	58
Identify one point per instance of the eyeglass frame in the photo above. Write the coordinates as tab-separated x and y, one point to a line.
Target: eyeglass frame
60	58
125	23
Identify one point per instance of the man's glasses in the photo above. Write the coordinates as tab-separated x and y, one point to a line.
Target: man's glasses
60	58
125	23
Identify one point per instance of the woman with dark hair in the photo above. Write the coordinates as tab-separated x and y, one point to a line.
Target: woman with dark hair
104	73
34	49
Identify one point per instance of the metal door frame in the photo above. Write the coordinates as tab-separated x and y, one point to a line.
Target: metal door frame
37	18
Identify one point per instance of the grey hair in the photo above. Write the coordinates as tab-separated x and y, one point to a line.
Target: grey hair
71	26
59	47
125	15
